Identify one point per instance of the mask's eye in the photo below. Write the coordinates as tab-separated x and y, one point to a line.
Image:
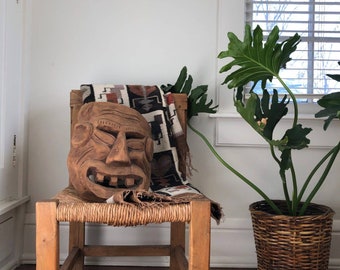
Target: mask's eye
104	137
136	144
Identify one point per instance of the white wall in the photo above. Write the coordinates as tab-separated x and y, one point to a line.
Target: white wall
12	125
145	42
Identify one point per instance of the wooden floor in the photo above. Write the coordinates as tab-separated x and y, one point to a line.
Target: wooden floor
32	267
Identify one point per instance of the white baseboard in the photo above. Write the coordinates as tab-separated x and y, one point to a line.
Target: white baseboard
11	265
232	243
11	233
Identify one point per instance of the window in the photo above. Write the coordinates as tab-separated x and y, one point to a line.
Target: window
317	22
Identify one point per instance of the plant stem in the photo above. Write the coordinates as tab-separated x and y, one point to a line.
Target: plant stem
316	168
273	154
294	205
283	179
295	190
333	152
292	96
285	191
230	168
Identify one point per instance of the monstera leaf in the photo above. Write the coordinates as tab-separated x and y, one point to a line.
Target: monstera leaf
254	61
257	62
335	76
197	97
295	138
262	113
330	103
274	114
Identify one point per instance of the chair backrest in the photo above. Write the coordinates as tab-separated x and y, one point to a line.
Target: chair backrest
181	104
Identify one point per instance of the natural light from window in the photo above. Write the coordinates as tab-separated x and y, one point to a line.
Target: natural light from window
317	22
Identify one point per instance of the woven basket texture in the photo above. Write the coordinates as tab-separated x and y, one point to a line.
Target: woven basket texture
287	242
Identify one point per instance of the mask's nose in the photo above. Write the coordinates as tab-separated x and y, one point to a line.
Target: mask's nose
119	152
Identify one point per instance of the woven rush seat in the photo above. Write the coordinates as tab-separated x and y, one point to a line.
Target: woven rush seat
73	209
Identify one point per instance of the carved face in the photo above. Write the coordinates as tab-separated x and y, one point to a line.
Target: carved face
111	150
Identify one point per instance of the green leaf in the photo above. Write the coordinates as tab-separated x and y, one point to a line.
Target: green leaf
331	105
187	86
335	76
198	104
262	114
330	100
286	160
197	97
297	137
274	114
294	138
248	111
255	61
180	80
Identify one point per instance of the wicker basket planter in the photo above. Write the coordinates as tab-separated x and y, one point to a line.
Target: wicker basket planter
286	242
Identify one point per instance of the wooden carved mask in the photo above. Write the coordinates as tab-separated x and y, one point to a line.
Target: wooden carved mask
111	150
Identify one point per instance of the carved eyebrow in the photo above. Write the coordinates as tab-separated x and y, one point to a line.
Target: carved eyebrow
132	133
108	125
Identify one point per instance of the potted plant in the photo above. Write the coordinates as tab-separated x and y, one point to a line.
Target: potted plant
292	233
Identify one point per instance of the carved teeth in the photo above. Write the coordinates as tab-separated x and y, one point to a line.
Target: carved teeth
100	177
113	181
129	182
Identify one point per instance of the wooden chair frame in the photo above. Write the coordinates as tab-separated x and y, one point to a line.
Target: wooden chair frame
47	226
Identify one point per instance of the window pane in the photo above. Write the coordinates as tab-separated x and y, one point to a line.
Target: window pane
317	22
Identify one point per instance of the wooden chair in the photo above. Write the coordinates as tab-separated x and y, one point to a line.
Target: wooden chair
70	208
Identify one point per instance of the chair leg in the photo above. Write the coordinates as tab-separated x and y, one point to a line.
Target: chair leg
199	236
47	236
77	240
177	242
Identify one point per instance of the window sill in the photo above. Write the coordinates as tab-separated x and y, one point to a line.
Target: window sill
234	115
8	205
232	130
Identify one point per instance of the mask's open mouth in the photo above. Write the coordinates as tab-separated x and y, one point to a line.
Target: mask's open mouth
114	181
